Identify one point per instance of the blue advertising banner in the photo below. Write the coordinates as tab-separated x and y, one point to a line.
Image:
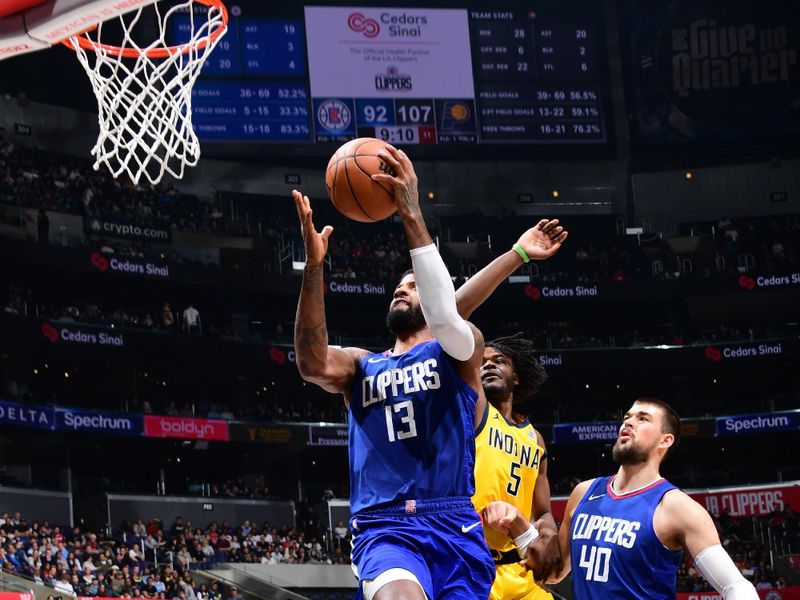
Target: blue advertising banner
327	435
570	433
13	413
91	421
758	423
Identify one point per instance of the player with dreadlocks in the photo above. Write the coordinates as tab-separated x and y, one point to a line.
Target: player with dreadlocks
511	459
511	485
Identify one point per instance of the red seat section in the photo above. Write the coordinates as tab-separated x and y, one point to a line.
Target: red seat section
9	7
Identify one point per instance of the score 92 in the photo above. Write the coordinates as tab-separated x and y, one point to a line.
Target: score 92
374	111
375	114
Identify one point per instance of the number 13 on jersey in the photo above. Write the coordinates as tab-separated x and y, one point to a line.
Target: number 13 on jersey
407	428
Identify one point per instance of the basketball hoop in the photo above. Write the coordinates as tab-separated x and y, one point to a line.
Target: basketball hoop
144	91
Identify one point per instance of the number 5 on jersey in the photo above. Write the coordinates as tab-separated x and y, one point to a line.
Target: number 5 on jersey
513	486
407	419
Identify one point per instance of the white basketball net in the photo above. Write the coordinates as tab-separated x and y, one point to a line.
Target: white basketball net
145	102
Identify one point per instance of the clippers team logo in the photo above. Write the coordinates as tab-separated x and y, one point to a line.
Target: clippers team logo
411	507
334	115
364	25
392	80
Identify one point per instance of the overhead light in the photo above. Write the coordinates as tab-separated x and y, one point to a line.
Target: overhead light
688	175
555	193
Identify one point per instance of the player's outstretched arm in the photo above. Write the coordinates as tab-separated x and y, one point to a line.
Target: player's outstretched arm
689	524
333	369
565	529
434	285
537	243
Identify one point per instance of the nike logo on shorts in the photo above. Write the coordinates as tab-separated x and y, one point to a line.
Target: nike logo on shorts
466	528
596	497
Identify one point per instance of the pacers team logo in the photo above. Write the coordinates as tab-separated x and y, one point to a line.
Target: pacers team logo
361	24
334	115
454	113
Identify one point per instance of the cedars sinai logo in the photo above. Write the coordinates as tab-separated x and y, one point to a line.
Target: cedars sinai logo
747	282
713	354
50	332
533	292
361	24
277	355
99	262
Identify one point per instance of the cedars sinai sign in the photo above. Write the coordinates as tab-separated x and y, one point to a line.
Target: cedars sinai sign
70	333
128	266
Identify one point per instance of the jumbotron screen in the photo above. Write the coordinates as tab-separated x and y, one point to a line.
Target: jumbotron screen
407	75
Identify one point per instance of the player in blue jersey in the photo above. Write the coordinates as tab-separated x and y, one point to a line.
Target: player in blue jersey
626	534
413	411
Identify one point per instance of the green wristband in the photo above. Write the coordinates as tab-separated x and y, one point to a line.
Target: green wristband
519	250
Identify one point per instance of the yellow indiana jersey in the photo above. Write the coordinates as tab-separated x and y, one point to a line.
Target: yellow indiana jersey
507	458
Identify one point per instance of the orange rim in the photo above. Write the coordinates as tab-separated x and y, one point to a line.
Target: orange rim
88	44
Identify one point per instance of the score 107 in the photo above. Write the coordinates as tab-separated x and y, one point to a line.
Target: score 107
380	113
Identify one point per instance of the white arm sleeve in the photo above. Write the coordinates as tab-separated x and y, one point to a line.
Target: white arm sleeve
717	567
437	297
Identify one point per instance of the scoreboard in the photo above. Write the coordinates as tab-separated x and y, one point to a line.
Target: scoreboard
408	75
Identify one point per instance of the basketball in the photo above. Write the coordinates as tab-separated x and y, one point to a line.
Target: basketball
350	185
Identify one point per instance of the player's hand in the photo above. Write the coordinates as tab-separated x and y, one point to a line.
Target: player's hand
544	557
401	176
500	516
543	240
316	243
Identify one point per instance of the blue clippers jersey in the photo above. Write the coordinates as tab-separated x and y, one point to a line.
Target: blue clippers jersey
411	429
614	550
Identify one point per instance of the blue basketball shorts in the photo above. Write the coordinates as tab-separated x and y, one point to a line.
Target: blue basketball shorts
439	540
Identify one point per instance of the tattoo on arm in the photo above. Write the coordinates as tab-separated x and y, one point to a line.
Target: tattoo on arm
310	327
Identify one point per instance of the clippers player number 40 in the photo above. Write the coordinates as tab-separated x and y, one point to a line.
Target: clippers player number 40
628	532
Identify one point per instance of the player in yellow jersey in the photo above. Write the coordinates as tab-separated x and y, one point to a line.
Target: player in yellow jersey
511	458
511	486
